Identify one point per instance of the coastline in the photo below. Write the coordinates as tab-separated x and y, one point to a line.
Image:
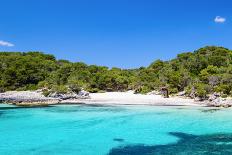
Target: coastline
35	98
128	98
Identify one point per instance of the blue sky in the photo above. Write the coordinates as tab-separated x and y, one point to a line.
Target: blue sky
121	33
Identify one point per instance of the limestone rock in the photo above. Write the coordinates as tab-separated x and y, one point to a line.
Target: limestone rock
183	93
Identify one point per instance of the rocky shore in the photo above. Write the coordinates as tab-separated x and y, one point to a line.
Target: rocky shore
212	100
36	98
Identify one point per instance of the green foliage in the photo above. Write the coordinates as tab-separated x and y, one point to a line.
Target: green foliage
224	96
22	70
208	69
46	92
201	90
224	88
173	91
60	89
143	90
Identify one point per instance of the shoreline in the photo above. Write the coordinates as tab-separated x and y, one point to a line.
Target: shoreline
128	98
35	98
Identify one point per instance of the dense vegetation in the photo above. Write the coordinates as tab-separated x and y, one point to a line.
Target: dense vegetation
203	71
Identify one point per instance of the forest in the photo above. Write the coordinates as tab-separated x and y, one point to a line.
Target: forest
204	71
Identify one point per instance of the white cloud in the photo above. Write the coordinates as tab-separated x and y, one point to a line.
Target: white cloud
219	19
5	43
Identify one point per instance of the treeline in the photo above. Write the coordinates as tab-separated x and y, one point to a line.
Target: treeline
201	72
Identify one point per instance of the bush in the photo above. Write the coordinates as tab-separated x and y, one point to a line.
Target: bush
43	84
46	92
75	88
188	90
200	91
223	88
143	90
93	90
60	89
224	96
173	91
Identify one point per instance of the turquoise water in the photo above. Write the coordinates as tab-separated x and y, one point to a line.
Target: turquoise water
115	130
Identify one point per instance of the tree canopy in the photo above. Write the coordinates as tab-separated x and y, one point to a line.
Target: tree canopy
207	70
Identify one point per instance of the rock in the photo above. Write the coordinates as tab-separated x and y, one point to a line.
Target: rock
214	96
27	98
83	93
198	99
193	93
183	93
70	95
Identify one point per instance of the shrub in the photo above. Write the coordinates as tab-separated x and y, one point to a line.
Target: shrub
145	90
224	96
93	90
173	91
200	90
223	88
60	89
46	92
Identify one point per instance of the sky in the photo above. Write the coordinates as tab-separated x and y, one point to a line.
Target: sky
114	33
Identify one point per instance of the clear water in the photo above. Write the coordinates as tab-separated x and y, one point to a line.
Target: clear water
115	130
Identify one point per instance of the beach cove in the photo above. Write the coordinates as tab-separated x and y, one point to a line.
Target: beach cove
36	98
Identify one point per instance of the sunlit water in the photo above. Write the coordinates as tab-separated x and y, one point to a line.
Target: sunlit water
115	130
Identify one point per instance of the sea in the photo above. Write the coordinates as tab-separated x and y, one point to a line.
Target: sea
115	130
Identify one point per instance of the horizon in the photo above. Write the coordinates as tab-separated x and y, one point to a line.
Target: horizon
124	34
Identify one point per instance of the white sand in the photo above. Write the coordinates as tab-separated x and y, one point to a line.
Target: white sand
108	98
130	98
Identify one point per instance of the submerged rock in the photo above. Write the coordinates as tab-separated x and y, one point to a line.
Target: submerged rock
187	144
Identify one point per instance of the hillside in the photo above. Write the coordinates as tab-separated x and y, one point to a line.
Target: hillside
201	72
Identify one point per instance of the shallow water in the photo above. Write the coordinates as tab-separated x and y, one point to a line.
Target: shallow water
115	130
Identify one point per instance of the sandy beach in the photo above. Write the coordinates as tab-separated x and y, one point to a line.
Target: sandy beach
129	98
108	98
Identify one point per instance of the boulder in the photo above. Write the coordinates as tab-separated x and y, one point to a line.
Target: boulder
83	93
214	96
182	93
70	95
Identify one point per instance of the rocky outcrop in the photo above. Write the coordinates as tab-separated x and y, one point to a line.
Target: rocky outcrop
26	98
216	100
36	98
215	97
70	95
